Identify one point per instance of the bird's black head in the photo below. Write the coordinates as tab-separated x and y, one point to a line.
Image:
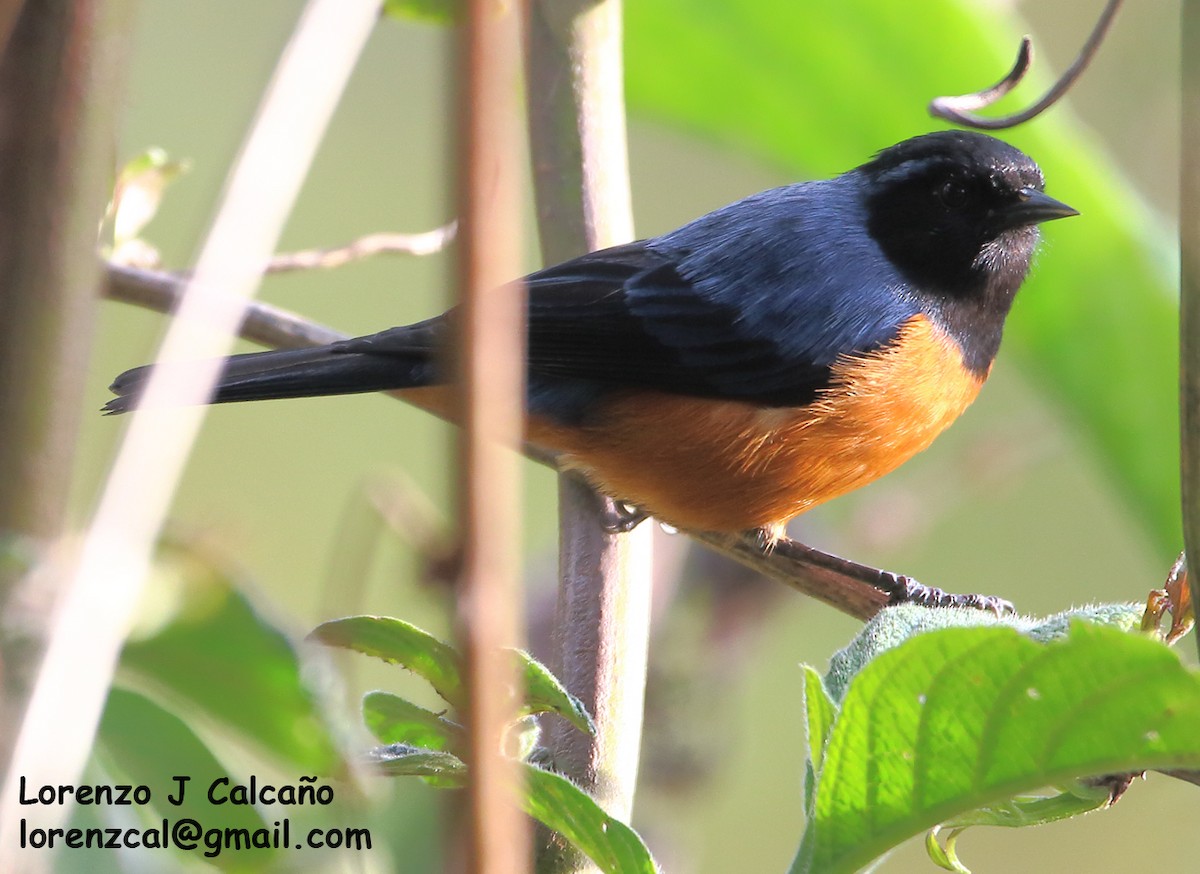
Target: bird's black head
956	213
956	209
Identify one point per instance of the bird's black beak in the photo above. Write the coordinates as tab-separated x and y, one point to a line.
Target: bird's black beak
1032	207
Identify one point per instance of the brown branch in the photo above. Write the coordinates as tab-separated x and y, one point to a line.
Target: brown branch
957	109
580	167
854	589
263	323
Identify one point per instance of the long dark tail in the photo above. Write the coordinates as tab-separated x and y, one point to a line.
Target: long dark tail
292	373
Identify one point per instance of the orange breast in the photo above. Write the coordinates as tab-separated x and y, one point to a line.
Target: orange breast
730	466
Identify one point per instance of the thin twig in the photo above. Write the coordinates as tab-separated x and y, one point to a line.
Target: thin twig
988	96
425	243
329	257
958	109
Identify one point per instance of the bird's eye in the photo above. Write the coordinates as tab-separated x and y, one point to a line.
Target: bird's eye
952	194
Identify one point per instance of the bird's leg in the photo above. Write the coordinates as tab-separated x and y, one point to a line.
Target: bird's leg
905	590
617	517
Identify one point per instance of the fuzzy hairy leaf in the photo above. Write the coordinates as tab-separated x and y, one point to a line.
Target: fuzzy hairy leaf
962	718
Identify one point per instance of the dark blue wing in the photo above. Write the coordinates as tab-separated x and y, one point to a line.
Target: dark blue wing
753	302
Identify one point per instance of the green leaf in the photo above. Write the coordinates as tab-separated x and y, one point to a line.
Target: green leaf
819	712
145	744
402	643
819	87
963	718
402	760
394	720
893	626
216	655
430	11
543	692
551	799
1018	812
560	805
1024	811
945	857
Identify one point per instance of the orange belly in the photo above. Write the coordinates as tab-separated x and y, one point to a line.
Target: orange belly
719	465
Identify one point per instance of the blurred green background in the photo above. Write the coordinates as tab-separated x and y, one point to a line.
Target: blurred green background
1055	489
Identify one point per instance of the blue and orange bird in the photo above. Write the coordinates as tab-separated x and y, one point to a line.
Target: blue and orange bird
758	361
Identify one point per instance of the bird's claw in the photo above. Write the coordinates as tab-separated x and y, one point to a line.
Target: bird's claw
905	590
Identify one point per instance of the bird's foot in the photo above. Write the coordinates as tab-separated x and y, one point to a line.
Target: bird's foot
905	590
617	517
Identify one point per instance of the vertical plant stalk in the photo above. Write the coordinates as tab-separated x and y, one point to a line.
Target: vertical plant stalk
10	12
1189	284
490	360
60	77
581	178
104	583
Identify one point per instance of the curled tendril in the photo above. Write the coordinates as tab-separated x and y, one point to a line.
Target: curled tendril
960	109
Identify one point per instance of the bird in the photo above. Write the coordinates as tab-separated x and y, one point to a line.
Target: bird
756	362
